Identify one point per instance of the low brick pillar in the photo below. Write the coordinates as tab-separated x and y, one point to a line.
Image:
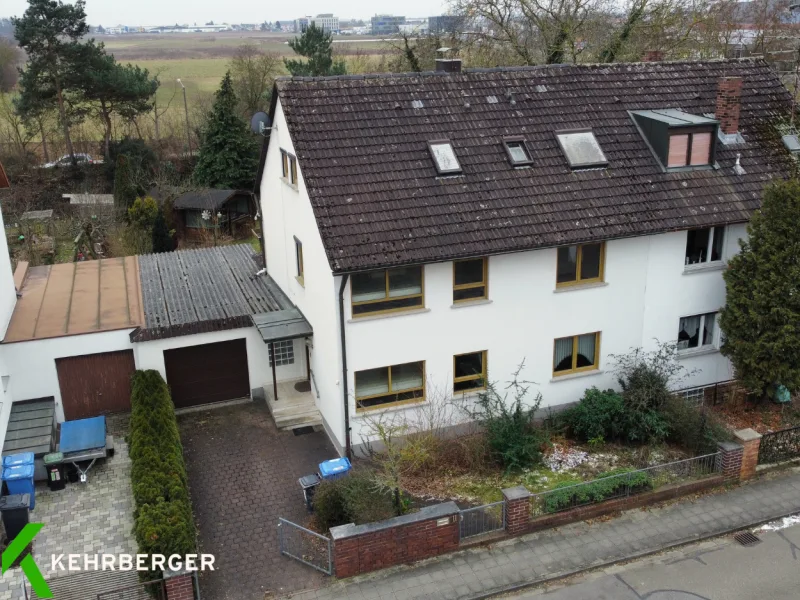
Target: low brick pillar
432	531
518	509
730	459
751	441
179	585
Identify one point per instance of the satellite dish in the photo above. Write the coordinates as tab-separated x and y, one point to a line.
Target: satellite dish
259	123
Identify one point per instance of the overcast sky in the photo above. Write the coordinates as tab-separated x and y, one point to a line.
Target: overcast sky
158	12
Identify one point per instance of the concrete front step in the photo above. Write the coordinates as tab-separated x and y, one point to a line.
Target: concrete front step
293	409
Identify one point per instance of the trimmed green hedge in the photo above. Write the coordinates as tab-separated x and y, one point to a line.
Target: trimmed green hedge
163	522
607	485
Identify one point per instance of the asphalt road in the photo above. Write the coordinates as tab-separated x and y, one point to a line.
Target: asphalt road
719	569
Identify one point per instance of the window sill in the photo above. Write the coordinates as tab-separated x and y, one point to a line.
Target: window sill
717	265
692	352
389	315
576	375
288	183
580	286
300	280
466	303
385	408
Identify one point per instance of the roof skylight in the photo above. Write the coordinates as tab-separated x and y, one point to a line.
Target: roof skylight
517	151
792	143
444	157
581	149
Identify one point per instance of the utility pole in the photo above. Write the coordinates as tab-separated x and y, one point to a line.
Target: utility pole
186	109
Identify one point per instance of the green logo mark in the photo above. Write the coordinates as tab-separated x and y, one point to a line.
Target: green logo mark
32	572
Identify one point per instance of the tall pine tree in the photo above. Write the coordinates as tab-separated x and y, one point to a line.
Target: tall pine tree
316	45
761	320
229	152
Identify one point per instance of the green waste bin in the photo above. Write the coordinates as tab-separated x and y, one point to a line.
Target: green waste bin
54	465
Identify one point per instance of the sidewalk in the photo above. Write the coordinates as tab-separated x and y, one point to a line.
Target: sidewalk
512	564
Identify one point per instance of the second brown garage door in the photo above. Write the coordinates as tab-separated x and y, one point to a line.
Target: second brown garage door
207	373
95	384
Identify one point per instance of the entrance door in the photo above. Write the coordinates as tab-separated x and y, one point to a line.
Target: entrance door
95	384
207	373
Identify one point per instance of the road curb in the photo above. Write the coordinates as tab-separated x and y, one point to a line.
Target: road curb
516	587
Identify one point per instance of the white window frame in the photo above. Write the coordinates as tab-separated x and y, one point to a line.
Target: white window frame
711	233
715	337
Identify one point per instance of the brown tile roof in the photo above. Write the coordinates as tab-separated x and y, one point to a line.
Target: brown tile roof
363	154
76	298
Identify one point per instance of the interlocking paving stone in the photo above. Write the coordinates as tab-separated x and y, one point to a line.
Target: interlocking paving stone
243	476
545	554
93	517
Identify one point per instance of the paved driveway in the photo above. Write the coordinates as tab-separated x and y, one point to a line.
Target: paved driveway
243	475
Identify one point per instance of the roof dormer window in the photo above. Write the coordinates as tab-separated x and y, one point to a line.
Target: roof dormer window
678	139
581	149
690	149
517	151
444	157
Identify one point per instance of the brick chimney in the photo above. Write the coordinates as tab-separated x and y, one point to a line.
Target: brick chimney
652	56
729	95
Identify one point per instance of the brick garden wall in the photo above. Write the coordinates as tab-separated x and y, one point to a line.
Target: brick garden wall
363	548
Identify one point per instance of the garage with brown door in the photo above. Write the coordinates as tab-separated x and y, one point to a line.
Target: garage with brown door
95	384
207	373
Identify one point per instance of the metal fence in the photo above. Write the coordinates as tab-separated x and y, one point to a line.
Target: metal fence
481	520
724	392
623	485
305	545
150	590
779	446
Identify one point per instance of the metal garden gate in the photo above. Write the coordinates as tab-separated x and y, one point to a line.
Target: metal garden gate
481	520
307	546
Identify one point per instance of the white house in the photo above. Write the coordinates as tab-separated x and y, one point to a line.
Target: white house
437	229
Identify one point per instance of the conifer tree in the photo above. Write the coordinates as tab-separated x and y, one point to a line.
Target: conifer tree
162	239
761	320
316	45
229	153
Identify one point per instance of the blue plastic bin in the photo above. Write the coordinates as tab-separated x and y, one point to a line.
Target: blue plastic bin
19	480
334	468
13	460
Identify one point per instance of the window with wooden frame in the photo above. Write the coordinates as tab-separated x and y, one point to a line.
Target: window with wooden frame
298	255
690	148
704	245
398	384
469	371
288	167
580	264
576	354
470	279
391	290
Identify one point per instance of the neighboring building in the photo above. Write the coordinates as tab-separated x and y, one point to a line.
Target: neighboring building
446	24
386	24
552	215
198	213
326	22
301	24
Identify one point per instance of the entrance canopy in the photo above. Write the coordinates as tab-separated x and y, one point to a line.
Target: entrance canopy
279	325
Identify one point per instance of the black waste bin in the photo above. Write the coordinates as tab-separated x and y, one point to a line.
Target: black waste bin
14	511
53	464
309	484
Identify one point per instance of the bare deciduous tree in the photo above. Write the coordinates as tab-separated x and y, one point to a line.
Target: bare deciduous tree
253	72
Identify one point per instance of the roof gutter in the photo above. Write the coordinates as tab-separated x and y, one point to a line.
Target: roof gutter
348	447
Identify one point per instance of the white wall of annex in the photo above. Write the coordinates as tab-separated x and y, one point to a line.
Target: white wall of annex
8	294
288	214
645	294
150	355
32	365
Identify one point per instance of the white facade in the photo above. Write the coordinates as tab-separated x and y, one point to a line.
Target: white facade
8	294
645	291
326	22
